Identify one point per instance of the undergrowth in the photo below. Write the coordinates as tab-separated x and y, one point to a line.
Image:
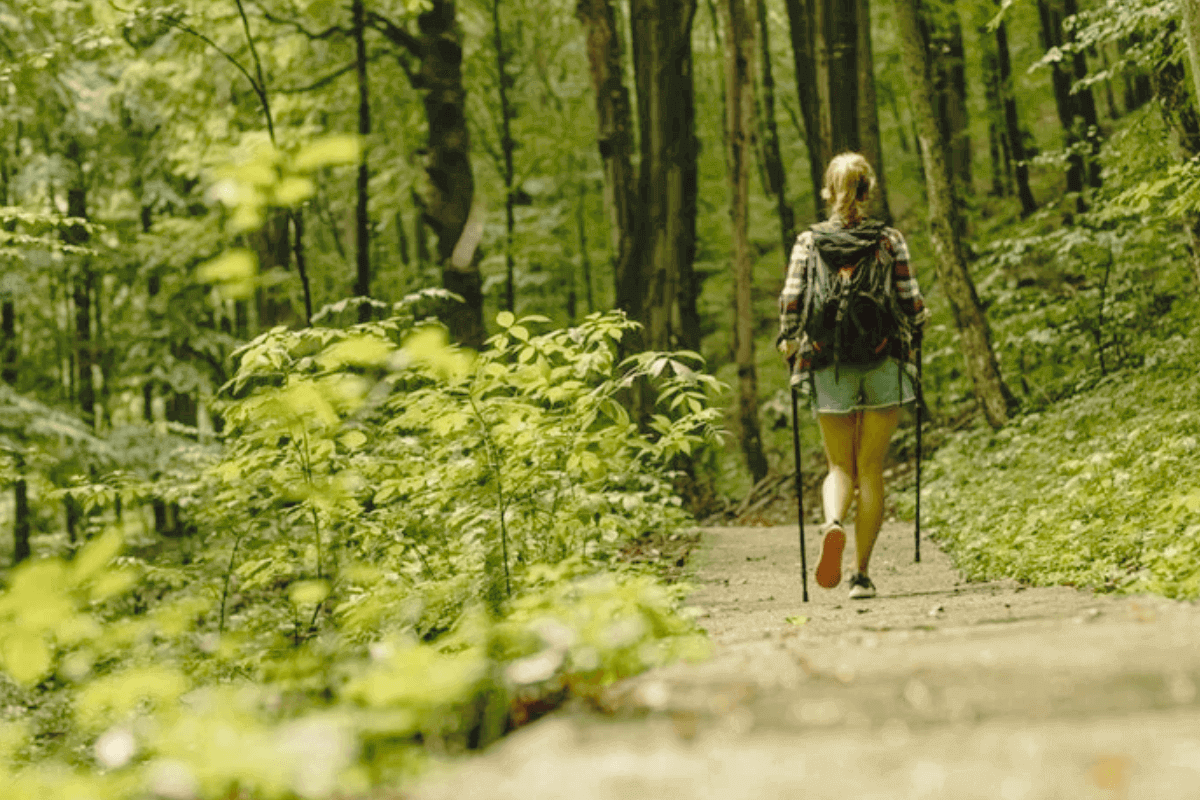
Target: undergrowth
1096	490
399	549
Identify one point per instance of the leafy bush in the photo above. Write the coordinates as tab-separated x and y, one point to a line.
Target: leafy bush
1087	492
126	707
406	547
400	548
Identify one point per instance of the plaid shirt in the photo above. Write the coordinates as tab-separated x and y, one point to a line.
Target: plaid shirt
907	290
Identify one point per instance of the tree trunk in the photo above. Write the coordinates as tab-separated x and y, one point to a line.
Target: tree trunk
772	160
1001	167
9	345
1179	111
77	235
401	238
868	110
450	188
800	23
1190	14
974	334
362	218
274	249
1012	126
841	31
615	137
1110	100
942	34
667	178
1051	27
507	146
1085	103
21	525
297	216
421	250
739	115
585	258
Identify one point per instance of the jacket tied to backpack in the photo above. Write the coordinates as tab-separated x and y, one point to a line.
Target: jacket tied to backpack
850	298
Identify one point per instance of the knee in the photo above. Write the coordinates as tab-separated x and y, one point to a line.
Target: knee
847	468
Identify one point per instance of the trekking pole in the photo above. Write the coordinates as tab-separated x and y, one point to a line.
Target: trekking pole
920	405
799	487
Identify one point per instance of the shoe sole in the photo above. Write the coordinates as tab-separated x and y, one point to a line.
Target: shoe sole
829	568
861	594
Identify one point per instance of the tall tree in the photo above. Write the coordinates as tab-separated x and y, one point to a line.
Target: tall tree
868	109
362	216
997	143
1084	100
1012	125
507	146
614	115
773	161
668	173
1190	13
974	334
449	190
652	210
839	40
949	65
1050	17
82	284
9	345
739	120
1180	112
801	16
835	82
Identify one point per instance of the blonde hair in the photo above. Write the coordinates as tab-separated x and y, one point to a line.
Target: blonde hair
849	184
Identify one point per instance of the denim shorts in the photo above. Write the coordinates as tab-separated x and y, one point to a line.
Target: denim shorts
859	387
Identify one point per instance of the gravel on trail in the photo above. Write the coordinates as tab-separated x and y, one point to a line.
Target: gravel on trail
936	688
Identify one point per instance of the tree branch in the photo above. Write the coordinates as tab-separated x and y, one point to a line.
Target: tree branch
181	25
328	79
328	33
395	33
262	83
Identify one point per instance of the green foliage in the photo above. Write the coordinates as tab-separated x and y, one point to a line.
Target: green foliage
138	712
1087	492
404	544
453	474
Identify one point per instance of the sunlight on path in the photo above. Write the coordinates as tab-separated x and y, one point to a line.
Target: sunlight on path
937	688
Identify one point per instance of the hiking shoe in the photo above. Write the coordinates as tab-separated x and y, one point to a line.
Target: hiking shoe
829	568
861	587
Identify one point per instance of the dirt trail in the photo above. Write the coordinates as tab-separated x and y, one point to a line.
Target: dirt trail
937	688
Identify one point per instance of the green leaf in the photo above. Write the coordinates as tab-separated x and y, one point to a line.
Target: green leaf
797	619
505	319
307	593
338	149
233	271
95	556
26	657
352	440
293	191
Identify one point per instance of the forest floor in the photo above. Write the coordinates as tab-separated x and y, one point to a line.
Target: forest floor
937	688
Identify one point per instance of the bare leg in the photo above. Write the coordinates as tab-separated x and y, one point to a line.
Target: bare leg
875	433
839	432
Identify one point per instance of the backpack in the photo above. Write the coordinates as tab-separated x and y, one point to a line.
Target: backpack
850	312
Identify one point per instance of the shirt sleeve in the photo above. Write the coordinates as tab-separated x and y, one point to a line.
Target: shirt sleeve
907	289
793	289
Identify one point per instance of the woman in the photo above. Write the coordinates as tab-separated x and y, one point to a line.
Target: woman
856	395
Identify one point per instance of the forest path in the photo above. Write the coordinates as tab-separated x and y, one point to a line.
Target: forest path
937	688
